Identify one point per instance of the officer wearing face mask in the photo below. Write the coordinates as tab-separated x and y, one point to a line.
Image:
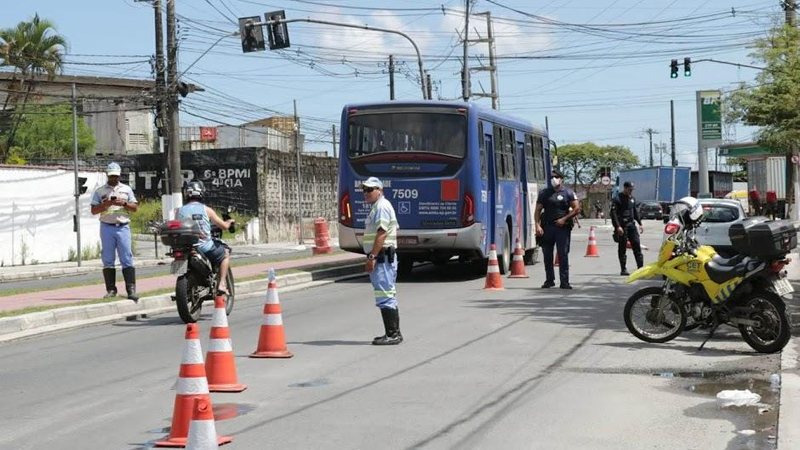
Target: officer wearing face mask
625	217
556	208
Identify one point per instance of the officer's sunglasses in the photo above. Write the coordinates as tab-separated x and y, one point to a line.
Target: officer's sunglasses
367	190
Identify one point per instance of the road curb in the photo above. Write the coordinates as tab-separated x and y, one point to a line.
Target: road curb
33	324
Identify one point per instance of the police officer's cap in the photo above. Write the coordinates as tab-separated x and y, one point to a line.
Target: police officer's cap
628	184
557	174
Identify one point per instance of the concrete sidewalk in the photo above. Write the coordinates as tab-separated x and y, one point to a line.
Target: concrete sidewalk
305	270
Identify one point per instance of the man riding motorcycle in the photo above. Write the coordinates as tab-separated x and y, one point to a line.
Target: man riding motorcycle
215	250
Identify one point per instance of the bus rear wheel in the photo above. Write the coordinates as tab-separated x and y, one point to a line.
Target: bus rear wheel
404	266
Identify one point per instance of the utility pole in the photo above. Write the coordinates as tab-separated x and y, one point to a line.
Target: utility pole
430	88
161	89
77	219
662	148
299	190
465	94
391	77
176	176
650	132
492	69
790	10
672	132
333	134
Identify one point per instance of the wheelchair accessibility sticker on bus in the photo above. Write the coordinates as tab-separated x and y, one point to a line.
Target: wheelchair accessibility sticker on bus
404	208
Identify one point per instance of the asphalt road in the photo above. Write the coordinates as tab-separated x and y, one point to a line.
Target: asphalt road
519	368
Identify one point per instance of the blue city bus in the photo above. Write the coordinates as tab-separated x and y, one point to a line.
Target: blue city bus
460	177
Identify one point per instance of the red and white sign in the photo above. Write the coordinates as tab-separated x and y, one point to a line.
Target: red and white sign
208	134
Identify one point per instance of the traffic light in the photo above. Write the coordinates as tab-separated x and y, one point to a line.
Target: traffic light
673	69
252	36
278	33
687	67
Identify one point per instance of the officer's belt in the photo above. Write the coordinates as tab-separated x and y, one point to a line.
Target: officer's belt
385	255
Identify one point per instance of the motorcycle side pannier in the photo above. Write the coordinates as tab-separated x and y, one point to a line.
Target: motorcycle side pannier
764	238
177	233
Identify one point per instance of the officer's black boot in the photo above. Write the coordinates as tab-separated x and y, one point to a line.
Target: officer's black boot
393	336
623	264
129	273
639	259
110	277
386	318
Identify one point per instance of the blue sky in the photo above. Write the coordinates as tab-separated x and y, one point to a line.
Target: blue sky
597	69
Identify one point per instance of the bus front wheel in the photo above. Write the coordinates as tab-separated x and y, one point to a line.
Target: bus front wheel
504	259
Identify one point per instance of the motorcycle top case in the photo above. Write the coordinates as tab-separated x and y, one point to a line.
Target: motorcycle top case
760	237
180	233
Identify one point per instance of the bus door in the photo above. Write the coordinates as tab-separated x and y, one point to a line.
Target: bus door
529	192
491	185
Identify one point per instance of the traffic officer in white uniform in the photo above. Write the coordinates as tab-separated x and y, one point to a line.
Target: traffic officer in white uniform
114	201
380	243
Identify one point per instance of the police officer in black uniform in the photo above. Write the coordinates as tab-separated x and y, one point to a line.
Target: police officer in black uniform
554	227
625	217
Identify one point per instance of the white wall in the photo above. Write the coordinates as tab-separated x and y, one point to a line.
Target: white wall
36	210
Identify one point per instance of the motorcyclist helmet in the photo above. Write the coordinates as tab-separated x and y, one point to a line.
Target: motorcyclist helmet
688	210
195	190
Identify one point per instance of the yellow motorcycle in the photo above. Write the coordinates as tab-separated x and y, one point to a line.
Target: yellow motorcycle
702	289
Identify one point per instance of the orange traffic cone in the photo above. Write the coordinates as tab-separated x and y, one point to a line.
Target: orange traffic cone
493	279
271	339
191	385
202	432
518	263
220	365
591	249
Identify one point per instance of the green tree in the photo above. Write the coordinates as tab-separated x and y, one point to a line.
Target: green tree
32	49
772	103
45	131
581	163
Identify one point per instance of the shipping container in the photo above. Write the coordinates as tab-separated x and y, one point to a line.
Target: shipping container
719	183
664	184
767	174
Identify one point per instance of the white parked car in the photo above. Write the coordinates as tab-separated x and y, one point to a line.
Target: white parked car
719	215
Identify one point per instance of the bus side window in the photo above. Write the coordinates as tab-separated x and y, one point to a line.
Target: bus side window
530	162
499	164
483	141
511	165
538	148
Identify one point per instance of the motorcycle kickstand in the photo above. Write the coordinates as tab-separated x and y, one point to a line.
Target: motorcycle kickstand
710	334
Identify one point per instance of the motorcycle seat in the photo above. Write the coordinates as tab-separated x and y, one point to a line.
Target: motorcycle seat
720	269
732	261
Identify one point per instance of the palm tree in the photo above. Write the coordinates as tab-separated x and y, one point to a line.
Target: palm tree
32	49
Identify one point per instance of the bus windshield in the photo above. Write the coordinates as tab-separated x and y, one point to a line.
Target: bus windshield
372	133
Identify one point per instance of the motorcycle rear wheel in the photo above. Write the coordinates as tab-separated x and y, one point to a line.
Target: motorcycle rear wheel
651	323
774	330
189	306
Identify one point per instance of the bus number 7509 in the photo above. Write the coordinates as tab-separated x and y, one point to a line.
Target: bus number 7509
405	193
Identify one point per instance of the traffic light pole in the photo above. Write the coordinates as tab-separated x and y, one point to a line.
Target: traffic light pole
362	27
